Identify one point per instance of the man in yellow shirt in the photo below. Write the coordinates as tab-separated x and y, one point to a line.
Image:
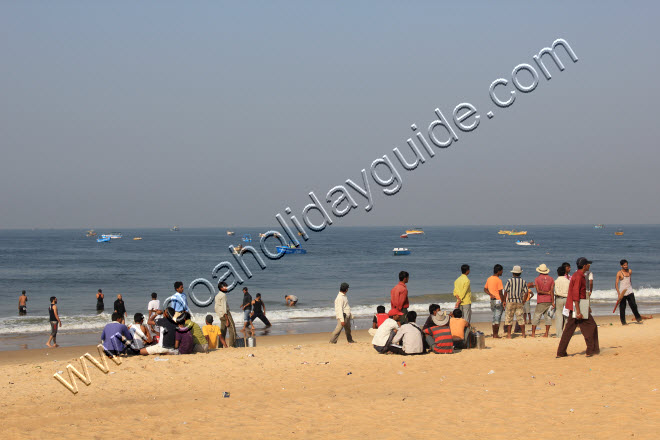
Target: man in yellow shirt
212	333
463	293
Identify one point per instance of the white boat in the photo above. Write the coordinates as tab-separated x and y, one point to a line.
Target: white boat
526	243
230	232
401	251
175	228
112	235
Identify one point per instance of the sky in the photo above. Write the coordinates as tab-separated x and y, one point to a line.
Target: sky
223	114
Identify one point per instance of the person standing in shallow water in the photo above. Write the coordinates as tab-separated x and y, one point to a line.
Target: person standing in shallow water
55	322
22	304
99	301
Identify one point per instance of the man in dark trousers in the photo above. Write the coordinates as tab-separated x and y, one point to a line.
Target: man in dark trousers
120	307
259	311
577	290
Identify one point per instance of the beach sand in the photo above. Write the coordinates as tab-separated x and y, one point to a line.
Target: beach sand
286	391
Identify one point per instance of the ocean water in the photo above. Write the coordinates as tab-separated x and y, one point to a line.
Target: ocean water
66	264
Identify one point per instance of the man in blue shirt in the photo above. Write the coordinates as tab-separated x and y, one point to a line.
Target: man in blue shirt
116	336
179	300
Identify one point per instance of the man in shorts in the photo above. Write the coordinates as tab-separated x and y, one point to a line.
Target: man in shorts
291	300
55	322
22	304
494	289
545	287
515	296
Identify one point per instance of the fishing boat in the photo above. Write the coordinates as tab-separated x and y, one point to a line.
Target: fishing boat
599	226
526	243
415	231
619	232
230	232
111	235
174	228
504	232
404	235
514	232
401	251
247	238
291	249
91	233
103	239
137	238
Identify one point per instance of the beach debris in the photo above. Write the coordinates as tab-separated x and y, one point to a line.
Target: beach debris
403	363
250	355
226	394
552	384
349	373
571	410
491	372
606	406
37	366
160	359
654	389
60	372
304	363
112	372
533	377
323	363
11	383
298	347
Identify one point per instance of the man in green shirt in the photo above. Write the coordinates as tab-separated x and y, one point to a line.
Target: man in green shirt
199	340
463	293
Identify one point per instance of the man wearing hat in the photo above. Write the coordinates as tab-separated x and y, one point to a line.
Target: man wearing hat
516	294
579	317
386	332
343	315
439	335
545	286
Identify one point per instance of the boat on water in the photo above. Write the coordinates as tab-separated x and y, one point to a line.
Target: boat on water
599	226
401	251
175	228
230	232
291	249
247	238
404	235
111	235
91	233
526	243
261	235
415	231
514	232
504	232
137	238
619	232
103	239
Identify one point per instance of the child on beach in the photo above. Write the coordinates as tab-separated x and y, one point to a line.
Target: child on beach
184	340
379	317
212	333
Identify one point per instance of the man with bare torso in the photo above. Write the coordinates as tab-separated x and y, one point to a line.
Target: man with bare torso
624	290
22	304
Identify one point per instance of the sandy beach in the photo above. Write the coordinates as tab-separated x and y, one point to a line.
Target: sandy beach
299	386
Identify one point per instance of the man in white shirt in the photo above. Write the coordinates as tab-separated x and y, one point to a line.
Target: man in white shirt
386	332
227	326
153	310
343	315
559	299
411	335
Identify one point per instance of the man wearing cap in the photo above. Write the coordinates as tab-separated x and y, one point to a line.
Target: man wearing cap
386	332
439	335
545	286
463	293
399	295
516	294
577	290
343	315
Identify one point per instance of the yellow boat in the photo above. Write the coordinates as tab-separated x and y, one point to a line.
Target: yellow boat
137	238
618	233
518	233
415	231
503	232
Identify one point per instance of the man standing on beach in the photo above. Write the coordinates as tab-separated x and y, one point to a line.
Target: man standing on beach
259	311
120	307
515	295
577	290
545	287
246	306
463	293
494	289
559	302
399	296
179	301
22	304
227	327
55	322
343	315
624	290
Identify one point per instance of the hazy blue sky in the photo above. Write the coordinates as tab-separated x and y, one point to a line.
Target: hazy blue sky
119	114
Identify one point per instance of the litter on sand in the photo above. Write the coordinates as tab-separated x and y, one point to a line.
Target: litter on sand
160	359
491	372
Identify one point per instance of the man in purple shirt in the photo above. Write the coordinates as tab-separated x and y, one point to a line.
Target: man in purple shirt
116	336
577	317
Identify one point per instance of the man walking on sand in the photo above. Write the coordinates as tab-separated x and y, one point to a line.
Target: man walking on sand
343	315
227	326
515	296
463	293
623	286
399	296
545	287
55	322
580	314
494	289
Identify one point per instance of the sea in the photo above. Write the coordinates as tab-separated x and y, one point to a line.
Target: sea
71	266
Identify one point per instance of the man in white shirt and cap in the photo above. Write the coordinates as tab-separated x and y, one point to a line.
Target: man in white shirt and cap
386	332
343	315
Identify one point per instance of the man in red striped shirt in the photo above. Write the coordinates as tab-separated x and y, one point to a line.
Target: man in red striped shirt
441	340
577	290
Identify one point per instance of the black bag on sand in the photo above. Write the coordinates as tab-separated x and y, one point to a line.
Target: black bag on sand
240	343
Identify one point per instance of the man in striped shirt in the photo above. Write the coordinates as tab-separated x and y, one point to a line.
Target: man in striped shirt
515	295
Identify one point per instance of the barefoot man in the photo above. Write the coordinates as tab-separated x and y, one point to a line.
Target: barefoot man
624	290
55	322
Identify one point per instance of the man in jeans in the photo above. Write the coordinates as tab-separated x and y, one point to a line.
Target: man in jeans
494	289
343	315
515	296
463	293
545	287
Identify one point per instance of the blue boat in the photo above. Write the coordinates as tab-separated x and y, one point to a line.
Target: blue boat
290	249
103	239
401	251
247	238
